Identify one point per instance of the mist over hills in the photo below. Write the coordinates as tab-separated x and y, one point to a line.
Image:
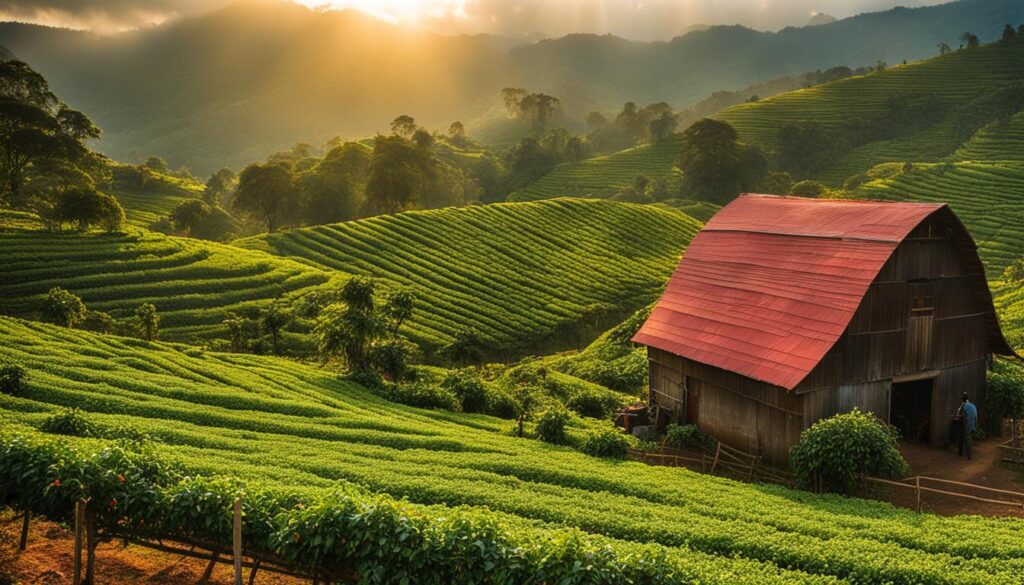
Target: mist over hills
234	85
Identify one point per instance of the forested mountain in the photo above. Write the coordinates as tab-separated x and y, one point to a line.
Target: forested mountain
234	85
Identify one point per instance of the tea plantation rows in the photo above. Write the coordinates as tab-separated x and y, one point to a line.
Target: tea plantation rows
603	176
988	198
279	424
522	274
191	283
955	80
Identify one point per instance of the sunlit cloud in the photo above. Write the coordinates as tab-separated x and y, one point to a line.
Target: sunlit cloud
637	19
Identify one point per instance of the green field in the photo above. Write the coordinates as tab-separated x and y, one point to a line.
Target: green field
274	422
162	193
956	80
603	176
988	197
192	283
523	274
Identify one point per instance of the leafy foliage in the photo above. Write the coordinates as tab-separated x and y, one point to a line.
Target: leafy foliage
295	429
71	421
834	452
551	426
63	308
609	444
1004	394
686	436
13	380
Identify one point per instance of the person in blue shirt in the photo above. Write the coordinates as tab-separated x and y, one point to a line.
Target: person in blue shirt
967	416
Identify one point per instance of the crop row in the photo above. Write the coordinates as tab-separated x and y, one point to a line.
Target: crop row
191	283
516	272
988	197
292	426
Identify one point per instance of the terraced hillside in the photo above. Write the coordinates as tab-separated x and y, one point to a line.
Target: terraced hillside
144	205
988	197
191	283
605	175
289	426
519	273
958	82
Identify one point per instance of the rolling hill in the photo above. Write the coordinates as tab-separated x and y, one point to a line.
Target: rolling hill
968	155
525	275
237	84
143	205
528	276
297	429
603	176
193	284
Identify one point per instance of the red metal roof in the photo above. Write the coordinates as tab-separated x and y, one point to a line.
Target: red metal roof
770	283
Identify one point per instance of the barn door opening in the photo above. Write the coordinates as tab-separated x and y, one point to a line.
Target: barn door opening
693	388
911	408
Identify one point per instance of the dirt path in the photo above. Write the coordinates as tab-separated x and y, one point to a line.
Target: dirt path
983	469
48	561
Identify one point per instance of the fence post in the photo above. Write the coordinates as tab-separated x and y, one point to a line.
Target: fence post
718	452
79	520
237	541
24	533
917	488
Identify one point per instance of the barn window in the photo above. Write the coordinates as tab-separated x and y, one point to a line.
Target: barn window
922	306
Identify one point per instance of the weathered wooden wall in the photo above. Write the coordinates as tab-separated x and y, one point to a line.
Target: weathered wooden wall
922	317
753	416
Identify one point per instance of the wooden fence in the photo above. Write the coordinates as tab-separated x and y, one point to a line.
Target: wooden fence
727	461
86	539
919	485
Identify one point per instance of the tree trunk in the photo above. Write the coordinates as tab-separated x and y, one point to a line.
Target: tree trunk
91	540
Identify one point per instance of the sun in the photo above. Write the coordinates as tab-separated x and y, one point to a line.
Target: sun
396	11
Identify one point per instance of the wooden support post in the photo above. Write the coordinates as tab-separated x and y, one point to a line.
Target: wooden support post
237	541
79	527
209	568
24	533
917	488
718	452
252	572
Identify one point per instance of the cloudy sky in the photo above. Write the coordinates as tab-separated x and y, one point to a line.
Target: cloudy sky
637	19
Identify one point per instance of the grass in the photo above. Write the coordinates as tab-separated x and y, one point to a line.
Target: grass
193	284
281	424
522	274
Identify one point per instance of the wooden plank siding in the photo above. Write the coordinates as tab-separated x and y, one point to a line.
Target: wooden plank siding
922	316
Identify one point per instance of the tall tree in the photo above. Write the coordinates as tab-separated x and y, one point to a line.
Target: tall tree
400	175
716	165
970	40
218	185
267	193
37	131
403	126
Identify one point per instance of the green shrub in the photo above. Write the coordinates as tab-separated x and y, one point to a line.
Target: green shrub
71	421
1004	394
13	380
610	444
420	394
502	404
469	389
685	437
98	322
594	403
63	308
551	426
808	189
832	453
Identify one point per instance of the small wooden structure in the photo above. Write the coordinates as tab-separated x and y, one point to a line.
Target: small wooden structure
787	310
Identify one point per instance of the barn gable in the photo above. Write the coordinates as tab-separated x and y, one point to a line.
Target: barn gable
771	283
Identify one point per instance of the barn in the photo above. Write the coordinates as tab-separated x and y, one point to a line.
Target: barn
786	310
